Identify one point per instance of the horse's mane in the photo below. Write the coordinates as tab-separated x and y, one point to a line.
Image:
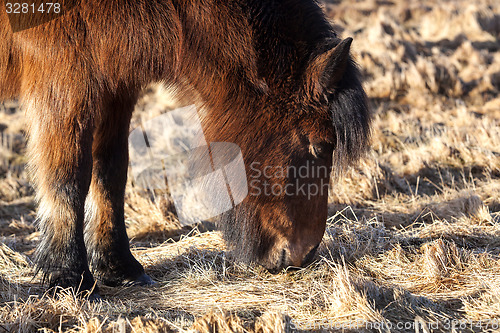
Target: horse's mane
288	32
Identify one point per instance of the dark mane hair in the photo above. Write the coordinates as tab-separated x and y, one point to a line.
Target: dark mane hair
351	120
287	34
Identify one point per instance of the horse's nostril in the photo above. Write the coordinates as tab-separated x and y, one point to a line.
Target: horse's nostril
310	256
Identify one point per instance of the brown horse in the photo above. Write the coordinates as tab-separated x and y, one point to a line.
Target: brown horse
273	78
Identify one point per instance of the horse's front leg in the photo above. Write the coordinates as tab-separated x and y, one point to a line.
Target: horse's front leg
110	258
59	147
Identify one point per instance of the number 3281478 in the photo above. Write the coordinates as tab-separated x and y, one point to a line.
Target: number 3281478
27	8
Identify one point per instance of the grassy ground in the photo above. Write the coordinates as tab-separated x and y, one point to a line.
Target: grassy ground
413	236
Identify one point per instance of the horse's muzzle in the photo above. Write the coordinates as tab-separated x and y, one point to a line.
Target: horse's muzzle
284	261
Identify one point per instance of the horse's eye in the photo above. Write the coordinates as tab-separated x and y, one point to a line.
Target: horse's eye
321	150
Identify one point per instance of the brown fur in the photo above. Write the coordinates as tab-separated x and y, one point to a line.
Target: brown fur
271	75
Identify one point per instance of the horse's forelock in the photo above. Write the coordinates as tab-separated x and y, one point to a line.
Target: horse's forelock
351	119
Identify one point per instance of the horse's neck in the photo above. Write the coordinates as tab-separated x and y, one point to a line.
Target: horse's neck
217	57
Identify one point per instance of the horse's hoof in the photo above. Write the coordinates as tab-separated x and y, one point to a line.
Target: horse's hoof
143	280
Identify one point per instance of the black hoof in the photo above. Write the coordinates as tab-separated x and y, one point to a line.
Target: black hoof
143	280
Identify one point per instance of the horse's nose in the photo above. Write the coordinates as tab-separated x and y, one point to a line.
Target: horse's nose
285	260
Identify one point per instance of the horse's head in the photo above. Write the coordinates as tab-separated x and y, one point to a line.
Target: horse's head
292	137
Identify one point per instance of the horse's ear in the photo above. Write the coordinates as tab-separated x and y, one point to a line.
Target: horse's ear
328	68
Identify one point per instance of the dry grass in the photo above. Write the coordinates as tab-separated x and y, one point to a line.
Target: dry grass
414	231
